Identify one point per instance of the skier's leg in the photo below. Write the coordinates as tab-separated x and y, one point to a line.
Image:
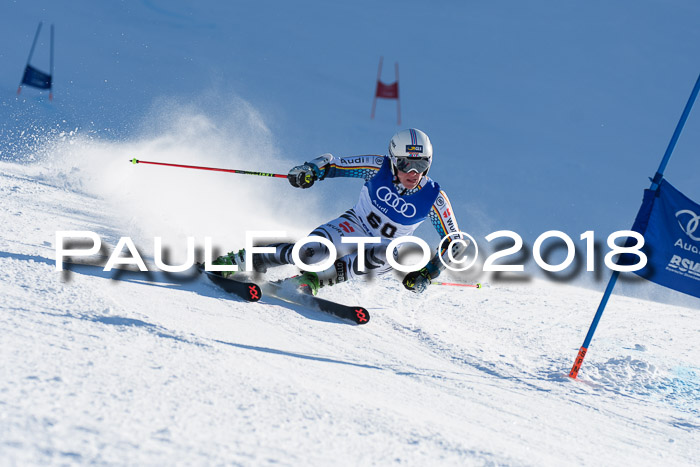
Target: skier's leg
334	231
261	261
311	253
238	258
349	266
346	263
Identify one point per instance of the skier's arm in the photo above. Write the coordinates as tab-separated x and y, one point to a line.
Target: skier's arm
445	223
443	219
364	167
304	176
328	166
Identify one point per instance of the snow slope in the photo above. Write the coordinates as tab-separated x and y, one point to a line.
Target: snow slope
149	369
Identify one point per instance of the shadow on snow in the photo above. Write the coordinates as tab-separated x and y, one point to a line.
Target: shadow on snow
187	281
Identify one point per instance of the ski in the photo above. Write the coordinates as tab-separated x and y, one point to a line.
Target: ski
246	290
253	292
356	314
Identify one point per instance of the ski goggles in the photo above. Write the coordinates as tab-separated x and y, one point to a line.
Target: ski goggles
409	164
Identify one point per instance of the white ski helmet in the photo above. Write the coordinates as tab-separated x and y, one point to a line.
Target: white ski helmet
410	150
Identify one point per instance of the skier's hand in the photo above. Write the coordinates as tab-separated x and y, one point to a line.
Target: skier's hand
303	176
417	281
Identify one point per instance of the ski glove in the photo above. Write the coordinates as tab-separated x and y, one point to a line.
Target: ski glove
417	281
303	176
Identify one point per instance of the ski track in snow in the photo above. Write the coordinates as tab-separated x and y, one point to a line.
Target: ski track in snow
150	369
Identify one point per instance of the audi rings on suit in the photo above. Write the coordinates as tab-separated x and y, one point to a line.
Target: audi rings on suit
395	202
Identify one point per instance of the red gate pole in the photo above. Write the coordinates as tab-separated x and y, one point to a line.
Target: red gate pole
398	99
379	75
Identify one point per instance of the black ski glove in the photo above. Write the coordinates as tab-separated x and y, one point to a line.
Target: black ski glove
417	281
303	176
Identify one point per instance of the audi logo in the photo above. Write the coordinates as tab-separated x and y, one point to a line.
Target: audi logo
692	225
395	202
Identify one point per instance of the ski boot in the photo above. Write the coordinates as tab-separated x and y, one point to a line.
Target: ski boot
308	283
238	258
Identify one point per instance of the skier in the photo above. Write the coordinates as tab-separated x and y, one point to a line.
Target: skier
396	198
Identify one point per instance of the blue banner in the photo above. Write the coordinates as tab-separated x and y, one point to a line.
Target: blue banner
35	78
670	224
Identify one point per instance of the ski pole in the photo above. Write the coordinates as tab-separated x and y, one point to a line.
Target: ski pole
476	286
244	172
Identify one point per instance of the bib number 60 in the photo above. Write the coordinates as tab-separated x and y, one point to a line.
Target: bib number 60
388	230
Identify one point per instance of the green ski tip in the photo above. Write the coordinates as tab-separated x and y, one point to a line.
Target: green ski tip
134	161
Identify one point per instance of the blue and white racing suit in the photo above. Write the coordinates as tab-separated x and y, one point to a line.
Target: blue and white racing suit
385	209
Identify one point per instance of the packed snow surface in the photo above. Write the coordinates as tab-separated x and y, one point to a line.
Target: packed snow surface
127	367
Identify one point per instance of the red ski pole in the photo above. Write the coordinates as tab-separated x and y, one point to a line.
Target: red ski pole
244	172
451	284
